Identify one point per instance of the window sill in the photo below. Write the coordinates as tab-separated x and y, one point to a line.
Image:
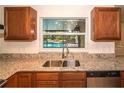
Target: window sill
60	50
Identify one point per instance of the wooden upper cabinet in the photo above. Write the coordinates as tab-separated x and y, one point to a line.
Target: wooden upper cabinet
106	24
20	23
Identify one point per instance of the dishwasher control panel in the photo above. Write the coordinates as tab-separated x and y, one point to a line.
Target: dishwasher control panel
103	74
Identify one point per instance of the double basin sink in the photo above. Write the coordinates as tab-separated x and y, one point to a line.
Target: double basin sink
61	63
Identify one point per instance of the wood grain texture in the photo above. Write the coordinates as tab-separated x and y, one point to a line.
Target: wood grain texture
47	79
25	80
47	76
20	23
73	84
122	78
106	25
73	76
47	84
12	82
122	74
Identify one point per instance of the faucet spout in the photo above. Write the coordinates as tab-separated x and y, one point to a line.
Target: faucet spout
65	45
67	50
63	54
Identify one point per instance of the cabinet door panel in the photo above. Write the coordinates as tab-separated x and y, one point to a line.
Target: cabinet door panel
73	76
47	84
25	80
108	25
20	23
16	23
70	84
24	84
47	76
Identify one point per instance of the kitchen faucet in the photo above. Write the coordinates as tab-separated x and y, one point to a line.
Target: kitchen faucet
65	45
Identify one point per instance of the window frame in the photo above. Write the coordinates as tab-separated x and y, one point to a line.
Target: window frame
42	49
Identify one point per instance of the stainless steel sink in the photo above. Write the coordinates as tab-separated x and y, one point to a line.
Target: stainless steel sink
61	63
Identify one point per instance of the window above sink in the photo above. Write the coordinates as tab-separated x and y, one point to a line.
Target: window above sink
64	25
71	30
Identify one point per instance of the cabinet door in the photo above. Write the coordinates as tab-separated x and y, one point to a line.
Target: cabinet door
74	84
47	79
16	23
73	79
25	79
47	76
106	24
47	84
11	82
73	76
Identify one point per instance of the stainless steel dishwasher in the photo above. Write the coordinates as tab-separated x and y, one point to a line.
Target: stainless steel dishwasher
103	79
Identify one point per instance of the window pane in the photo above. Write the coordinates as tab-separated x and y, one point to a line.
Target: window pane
64	25
59	41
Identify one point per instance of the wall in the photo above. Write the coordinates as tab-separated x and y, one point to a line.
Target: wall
57	11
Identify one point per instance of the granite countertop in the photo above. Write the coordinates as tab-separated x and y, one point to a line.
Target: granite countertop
9	68
10	65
